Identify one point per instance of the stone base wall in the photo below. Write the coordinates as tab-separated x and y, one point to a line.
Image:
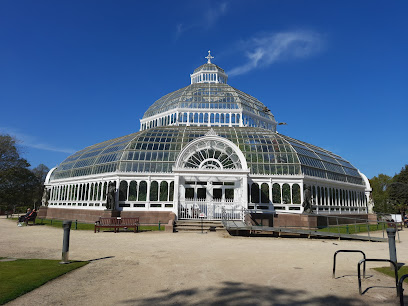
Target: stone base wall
90	216
306	221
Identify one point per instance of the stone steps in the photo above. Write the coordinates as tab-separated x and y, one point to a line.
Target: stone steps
195	226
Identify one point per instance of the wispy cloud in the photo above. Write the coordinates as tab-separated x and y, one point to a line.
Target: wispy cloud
206	20
264	50
214	13
32	142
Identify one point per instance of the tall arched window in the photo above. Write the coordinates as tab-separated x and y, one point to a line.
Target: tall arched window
99	191
286	194
163	191
80	192
255	193
104	191
142	191
154	191
314	196
318	196
276	193
264	193
133	191
171	191
123	191
91	197
296	194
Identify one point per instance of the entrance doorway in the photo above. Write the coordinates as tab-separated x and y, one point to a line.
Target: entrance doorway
211	200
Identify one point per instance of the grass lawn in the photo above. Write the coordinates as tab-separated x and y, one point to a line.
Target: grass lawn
23	275
390	272
89	226
354	229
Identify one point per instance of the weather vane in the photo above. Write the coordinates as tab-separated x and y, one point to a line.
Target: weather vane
209	57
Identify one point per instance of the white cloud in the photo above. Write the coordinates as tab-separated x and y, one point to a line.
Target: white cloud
212	14
264	50
31	142
206	20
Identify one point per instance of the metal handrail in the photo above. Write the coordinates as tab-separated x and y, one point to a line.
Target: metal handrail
347	251
356	221
382	260
401	290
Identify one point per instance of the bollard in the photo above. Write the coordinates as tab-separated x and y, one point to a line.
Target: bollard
391	244
66	225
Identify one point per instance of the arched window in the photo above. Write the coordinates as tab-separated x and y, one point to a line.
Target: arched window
337	197
91	198
286	194
80	192
99	191
227	118
171	191
264	193
163	191
123	191
217	118
255	193
201	119
154	191
318	196
212	118
205	118
133	191
104	191
296	194
314	196
276	193
142	191
196	118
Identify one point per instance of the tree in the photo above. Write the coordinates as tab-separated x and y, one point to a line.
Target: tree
17	182
380	196
40	173
398	190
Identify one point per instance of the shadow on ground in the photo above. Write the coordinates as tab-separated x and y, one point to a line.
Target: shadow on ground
233	293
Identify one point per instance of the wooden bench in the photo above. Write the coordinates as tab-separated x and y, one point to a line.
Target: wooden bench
116	223
31	218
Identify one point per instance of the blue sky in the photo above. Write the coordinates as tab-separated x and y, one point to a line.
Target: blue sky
75	73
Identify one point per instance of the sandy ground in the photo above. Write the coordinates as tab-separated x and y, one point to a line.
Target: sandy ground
153	268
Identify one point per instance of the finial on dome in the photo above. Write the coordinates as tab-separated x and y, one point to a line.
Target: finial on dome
209	57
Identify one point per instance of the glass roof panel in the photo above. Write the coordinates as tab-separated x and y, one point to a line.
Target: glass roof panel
156	150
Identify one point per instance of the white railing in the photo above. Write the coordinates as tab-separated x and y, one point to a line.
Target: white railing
215	210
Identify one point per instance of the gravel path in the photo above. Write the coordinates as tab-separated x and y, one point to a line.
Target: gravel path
153	268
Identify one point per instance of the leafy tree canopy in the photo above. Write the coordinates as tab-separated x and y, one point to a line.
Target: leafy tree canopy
398	190
19	186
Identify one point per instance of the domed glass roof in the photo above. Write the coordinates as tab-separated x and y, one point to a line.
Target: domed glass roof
209	96
155	151
209	67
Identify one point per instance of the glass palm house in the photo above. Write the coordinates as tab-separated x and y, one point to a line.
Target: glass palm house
206	149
